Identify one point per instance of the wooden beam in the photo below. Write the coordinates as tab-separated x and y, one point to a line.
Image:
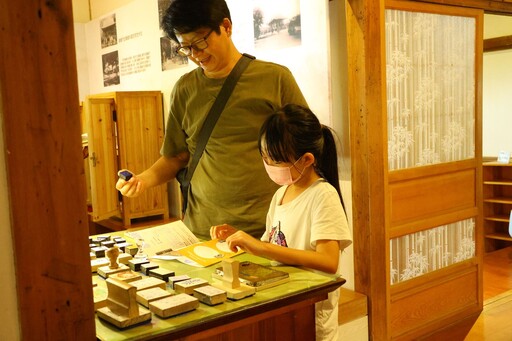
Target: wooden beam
498	44
45	170
489	6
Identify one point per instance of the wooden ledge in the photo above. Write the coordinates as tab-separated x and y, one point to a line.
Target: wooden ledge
352	305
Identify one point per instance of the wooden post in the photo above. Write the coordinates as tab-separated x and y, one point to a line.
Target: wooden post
40	111
365	40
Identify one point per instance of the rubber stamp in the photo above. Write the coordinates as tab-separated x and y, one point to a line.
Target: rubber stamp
122	309
161	273
98	262
144	297
188	286
144	268
107	243
125	174
113	266
173	305
175	279
148	283
230	281
123	258
119	240
99	251
126	276
135	263
210	295
131	249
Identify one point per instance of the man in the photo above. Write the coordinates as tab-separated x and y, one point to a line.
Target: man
230	184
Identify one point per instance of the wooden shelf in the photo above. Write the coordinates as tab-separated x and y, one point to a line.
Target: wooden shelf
496	164
499	236
499	200
499	182
499	217
497	195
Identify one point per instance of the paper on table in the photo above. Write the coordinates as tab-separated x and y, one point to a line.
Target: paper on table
180	258
175	241
208	253
164	238
164	257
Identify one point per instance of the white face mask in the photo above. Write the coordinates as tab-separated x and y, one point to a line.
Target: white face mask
282	175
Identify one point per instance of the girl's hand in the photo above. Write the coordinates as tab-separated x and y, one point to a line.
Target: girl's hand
222	231
246	242
131	188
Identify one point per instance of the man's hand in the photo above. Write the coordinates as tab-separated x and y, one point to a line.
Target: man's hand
131	188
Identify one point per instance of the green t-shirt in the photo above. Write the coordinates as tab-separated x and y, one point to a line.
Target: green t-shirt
230	184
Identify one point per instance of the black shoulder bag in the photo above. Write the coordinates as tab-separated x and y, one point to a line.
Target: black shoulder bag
185	175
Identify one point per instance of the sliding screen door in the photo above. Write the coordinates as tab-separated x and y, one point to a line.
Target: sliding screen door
433	225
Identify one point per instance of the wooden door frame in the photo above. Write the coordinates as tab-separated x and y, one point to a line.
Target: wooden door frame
366	90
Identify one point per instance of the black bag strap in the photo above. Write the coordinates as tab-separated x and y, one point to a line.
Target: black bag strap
214	113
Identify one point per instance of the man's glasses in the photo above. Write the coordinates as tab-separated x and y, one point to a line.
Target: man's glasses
197	46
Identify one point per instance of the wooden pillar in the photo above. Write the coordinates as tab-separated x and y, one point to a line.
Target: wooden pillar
365	46
39	101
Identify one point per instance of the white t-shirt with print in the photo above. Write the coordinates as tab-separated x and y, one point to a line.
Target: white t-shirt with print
316	214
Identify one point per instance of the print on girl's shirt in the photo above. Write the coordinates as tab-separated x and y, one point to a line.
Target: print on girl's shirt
277	237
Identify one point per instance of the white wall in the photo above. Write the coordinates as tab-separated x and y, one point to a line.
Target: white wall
497	102
81	61
497	25
497	89
100	7
81	11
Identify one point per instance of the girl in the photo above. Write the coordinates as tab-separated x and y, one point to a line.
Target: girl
306	223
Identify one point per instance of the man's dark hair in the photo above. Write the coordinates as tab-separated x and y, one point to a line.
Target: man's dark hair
185	16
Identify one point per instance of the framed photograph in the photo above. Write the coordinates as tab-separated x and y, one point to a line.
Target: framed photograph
276	24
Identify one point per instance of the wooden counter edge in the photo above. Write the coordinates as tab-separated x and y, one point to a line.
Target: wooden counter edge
306	297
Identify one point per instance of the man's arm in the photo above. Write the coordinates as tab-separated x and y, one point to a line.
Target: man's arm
162	171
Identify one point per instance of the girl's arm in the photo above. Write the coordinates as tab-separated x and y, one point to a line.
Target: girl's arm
221	231
324	258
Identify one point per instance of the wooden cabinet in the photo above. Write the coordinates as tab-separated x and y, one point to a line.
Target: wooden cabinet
497	193
125	131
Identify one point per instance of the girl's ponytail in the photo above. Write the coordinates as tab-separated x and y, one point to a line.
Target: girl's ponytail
328	163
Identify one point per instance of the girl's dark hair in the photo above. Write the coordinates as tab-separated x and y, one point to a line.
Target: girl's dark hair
294	130
185	16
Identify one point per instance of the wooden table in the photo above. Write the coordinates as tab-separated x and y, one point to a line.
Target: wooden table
284	312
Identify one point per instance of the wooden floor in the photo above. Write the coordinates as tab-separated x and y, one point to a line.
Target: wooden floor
495	321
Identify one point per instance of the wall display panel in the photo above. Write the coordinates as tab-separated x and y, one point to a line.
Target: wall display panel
276	24
125	46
